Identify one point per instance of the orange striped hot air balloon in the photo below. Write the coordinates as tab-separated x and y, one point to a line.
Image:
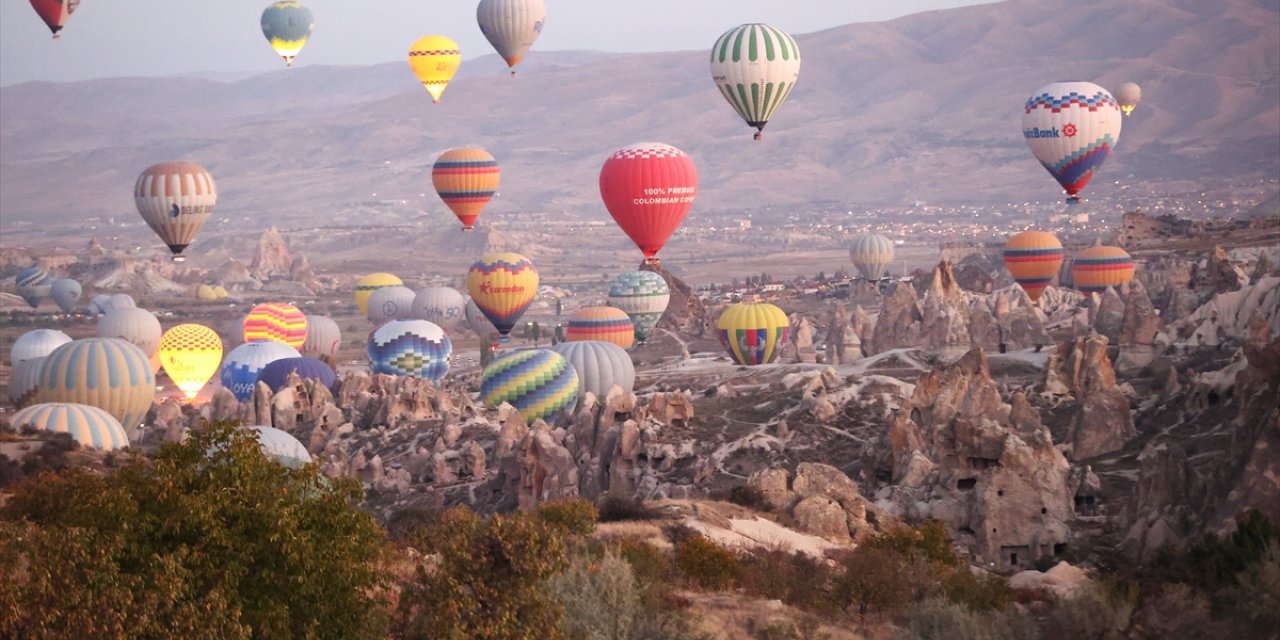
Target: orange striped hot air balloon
602	323
503	285
1033	258
466	180
278	321
1099	267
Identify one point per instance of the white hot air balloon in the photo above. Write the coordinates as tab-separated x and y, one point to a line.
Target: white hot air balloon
871	254
480	323
600	365
37	343
441	305
1128	95
755	67
323	337
390	303
1071	128
511	26
137	326
66	294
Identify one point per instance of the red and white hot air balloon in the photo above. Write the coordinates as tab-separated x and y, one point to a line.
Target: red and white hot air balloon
648	188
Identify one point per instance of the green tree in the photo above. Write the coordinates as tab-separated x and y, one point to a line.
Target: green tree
486	579
599	597
228	544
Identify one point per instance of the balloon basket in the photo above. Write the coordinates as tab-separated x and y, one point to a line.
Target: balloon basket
179	259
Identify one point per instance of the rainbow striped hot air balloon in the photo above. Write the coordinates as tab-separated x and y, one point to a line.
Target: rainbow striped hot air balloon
466	180
644	296
190	354
278	321
88	425
602	323
1099	267
370	283
539	383
414	348
1033	258
753	333
503	285
107	373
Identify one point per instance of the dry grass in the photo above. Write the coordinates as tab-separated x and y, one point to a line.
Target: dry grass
733	616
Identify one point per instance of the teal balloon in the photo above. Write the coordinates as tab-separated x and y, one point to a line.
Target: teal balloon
539	383
66	294
107	373
33	285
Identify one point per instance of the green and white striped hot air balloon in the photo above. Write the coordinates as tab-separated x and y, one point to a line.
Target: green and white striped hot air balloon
755	67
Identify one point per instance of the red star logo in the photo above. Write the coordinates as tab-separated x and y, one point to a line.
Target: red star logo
1069	130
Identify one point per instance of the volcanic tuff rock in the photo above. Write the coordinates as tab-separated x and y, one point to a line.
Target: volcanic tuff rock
1141	323
1101	420
685	311
1217	274
271	259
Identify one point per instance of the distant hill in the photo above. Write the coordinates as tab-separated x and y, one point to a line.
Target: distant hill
925	107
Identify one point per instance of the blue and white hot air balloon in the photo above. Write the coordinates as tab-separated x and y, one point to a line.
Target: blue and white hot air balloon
414	348
88	425
241	367
1071	128
644	296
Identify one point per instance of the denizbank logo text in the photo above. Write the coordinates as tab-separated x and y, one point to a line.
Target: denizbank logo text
1037	132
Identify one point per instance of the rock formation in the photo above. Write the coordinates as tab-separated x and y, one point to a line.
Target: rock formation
1101	420
271	258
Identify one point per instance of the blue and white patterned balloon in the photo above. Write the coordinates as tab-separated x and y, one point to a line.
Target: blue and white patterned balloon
241	367
415	348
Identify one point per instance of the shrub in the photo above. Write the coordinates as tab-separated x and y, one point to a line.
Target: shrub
807	628
600	598
574	517
648	563
791	577
1102	610
615	509
937	619
706	564
750	497
876	579
983	592
929	542
1257	592
1177	611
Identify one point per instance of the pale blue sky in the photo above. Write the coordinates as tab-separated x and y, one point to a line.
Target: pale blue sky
113	38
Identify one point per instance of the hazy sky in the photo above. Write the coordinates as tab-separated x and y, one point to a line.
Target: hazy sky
113	38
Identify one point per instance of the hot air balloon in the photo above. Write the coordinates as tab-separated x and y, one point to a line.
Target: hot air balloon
503	285
23	382
466	180
414	348
1128	95
323	337
1033	258
287	25
602	323
434	59
480	323
241	367
511	26
279	321
872	254
371	283
190	354
280	446
107	373
755	67
1099	267
136	326
90	426
66	294
34	284
600	366
648	188
36	343
276	375
55	13
1071	128
643	295
175	199
539	383
390	303
753	333
442	305
103	303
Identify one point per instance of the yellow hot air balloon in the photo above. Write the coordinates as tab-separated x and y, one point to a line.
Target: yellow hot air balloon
190	354
434	59
370	283
503	285
1099	267
1033	258
753	333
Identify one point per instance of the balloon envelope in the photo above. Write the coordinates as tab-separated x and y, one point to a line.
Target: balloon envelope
107	373
33	285
539	383
138	326
1128	95
88	425
276	374
55	13
1071	128
391	303
281	446
23	382
278	321
503	285
287	25
602	323
1033	259
479	323
66	294
649	188
36	343
414	348
241	367
1099	267
600	365
323	337
465	179
441	305
644	296
755	67
190	355
370	283
434	60
753	333
175	199
511	26
872	255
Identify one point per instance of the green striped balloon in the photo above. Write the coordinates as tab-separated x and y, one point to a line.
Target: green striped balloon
755	67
